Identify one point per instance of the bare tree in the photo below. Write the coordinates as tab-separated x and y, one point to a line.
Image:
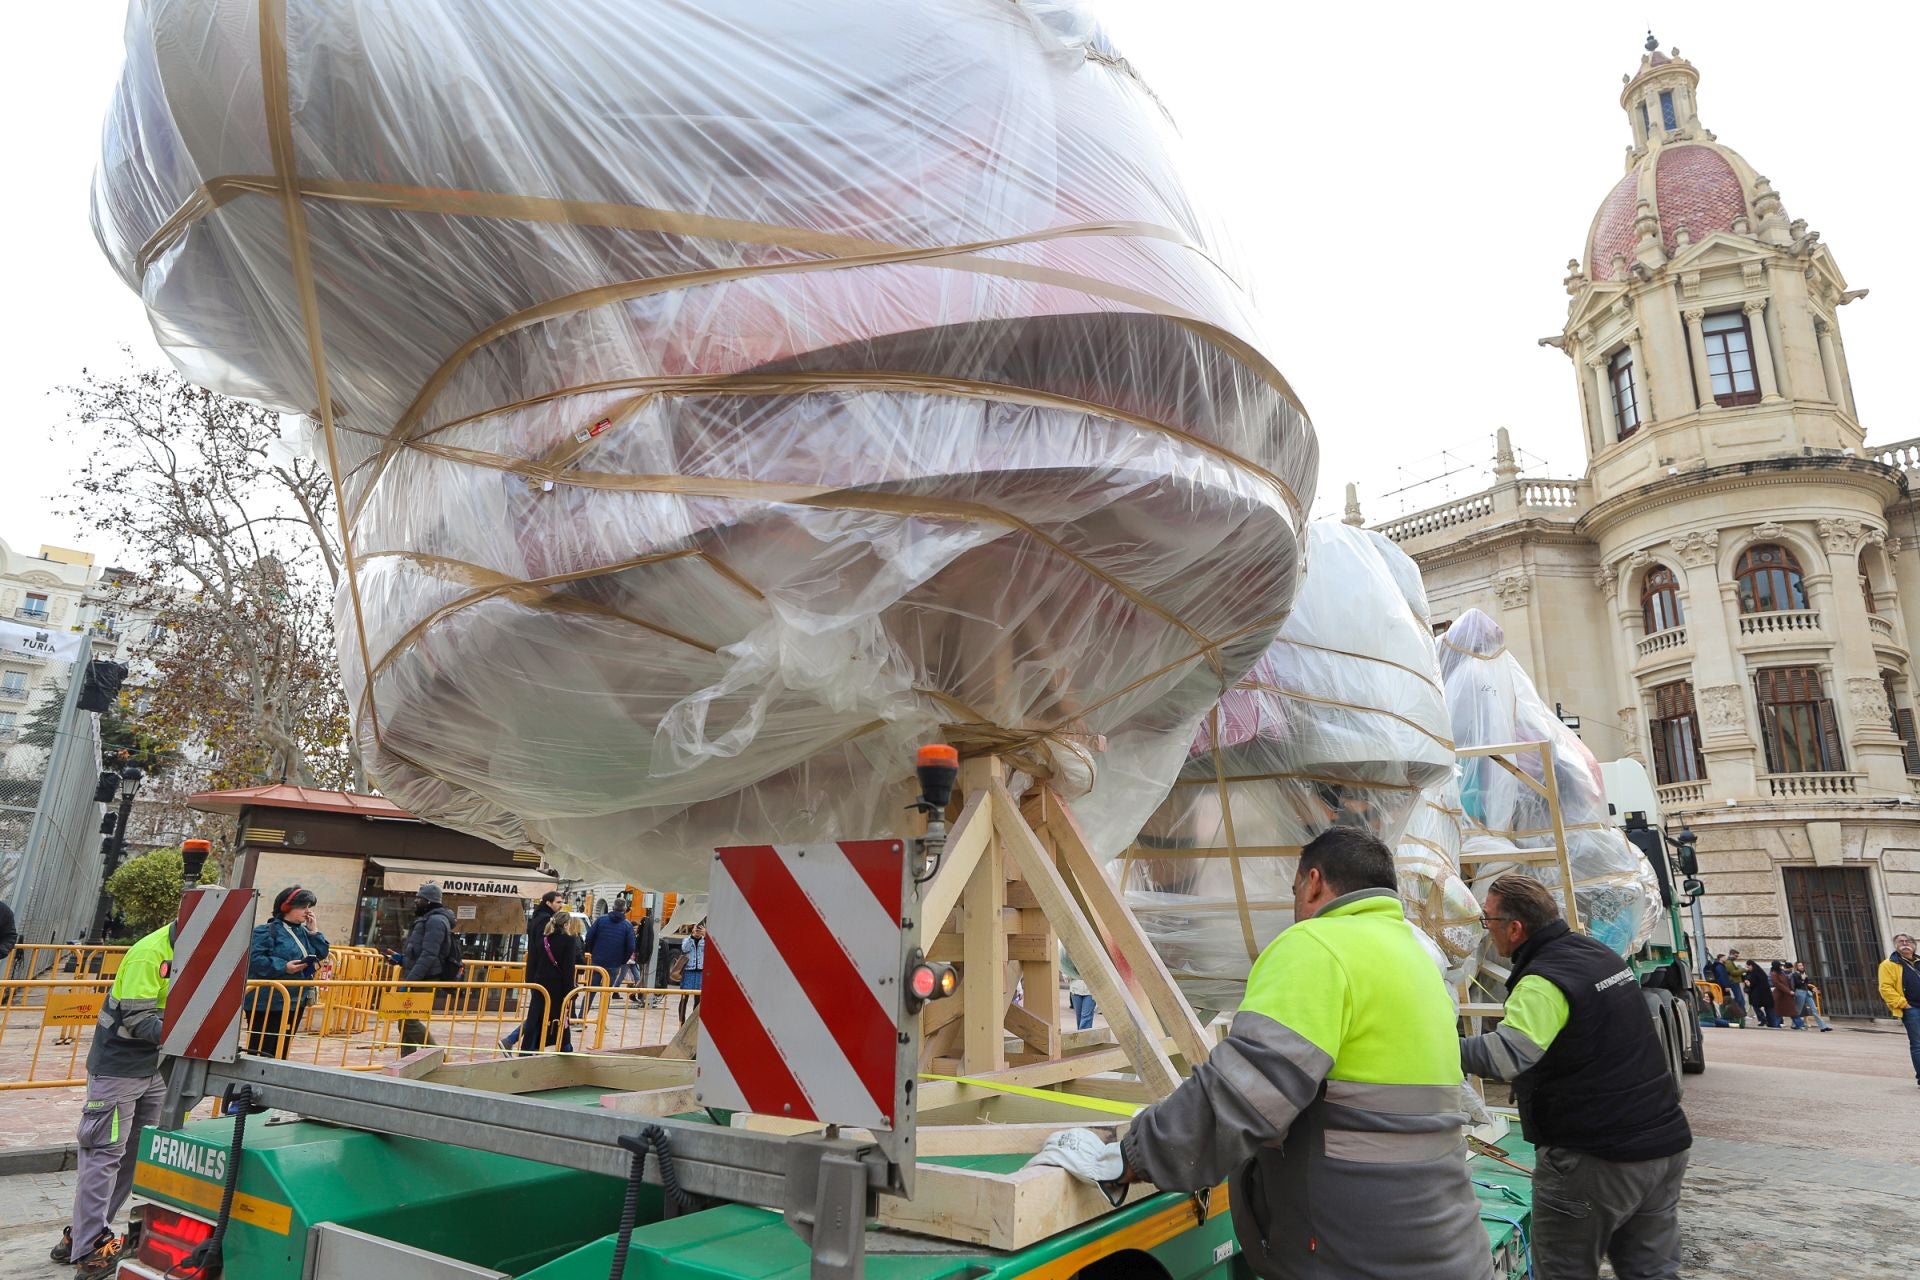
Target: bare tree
230	544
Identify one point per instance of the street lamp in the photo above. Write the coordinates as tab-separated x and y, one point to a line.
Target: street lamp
1691	886
113	849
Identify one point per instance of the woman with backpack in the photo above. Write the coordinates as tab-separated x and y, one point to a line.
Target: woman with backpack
550	967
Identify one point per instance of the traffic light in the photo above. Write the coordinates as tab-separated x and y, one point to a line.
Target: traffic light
101	684
107	789
928	980
108	821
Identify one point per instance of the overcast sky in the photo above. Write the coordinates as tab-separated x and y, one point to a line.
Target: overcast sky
1405	184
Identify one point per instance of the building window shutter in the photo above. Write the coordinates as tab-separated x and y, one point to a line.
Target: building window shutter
1909	740
1662	768
1769	730
1832	759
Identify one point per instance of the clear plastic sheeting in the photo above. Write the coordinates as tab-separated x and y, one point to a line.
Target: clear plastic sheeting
724	396
1342	721
1436	897
1491	701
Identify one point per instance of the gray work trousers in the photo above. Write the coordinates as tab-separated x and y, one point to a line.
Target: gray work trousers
1586	1209
116	1109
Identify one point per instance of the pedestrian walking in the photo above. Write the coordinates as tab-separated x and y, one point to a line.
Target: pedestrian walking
550	901
125	1093
1900	988
693	973
1806	996
286	948
1594	1091
1783	999
610	943
642	955
1760	996
431	953
550	967
1333	1104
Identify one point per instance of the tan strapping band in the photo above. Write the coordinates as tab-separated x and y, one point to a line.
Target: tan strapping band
832	252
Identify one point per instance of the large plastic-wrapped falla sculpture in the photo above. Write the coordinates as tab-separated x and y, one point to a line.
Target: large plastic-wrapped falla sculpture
723	396
1490	700
1342	721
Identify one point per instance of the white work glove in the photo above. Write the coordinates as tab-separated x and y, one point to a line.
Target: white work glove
1084	1154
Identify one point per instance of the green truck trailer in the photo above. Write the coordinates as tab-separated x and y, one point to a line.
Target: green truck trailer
318	1201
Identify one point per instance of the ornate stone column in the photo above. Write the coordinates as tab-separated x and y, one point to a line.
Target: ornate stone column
1762	350
1720	692
1829	363
1697	344
1866	722
1642	381
1603	415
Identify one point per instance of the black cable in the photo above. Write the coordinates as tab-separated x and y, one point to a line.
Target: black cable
655	1138
205	1262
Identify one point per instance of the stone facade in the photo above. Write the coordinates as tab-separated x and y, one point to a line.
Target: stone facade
1721	435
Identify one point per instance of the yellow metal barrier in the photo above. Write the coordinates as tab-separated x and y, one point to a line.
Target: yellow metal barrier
50	960
33	1010
361	1024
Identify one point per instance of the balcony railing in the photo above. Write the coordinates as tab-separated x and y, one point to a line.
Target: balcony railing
1904	454
1786	622
13	693
1813	786
1549	493
39	616
1880	626
1661	641
1437	519
1674	794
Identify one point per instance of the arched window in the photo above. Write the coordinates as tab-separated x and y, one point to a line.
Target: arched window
1769	579
1660	600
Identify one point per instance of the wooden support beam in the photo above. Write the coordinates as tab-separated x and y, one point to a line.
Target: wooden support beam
420	1062
983	964
686	1041
1041	1075
1124	932
967	840
1129	1023
1034	1031
672	1100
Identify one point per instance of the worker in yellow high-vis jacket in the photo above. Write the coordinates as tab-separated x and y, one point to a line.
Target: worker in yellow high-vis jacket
1333	1103
125	1093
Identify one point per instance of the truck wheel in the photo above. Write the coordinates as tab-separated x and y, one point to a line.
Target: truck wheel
1661	1007
1694	1060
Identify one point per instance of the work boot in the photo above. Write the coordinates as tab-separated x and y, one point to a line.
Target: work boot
104	1259
63	1252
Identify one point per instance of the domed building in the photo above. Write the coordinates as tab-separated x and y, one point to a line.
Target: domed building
1727	594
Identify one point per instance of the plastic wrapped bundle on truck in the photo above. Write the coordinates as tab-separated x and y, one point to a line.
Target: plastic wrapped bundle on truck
1342	721
1491	701
723	395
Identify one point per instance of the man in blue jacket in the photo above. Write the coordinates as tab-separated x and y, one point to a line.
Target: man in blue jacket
610	943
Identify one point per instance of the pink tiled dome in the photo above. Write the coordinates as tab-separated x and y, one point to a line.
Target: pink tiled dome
1693	186
1696	188
1613	227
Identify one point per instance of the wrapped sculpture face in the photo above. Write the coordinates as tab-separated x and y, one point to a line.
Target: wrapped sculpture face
723	396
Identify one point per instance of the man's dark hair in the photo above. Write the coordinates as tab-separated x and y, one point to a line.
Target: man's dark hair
1525	899
552	896
1349	860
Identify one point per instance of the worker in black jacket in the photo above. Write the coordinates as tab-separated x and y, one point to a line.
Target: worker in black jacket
1595	1093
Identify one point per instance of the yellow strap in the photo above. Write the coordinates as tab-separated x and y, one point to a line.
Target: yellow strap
1107	1105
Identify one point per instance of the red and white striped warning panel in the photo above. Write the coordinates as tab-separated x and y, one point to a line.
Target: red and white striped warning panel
801	1003
209	974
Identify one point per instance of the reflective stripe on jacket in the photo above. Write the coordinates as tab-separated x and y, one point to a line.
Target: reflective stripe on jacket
126	1037
1334	1105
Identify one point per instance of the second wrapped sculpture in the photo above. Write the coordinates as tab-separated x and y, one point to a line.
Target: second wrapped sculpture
1340	722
